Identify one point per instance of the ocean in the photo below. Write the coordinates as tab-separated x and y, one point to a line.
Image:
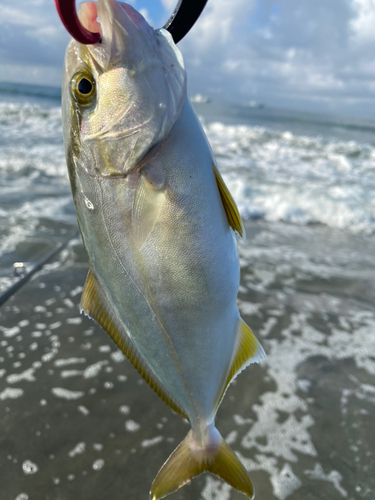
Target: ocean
77	421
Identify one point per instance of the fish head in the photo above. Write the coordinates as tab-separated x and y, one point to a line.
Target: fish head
121	96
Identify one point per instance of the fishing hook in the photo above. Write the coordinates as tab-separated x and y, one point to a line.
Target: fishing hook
179	24
68	15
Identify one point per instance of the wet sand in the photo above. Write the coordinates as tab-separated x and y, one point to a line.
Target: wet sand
78	422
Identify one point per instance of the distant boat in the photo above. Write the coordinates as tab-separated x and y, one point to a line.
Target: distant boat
255	104
201	99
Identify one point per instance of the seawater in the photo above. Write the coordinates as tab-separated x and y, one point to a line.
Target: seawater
295	167
281	166
77	421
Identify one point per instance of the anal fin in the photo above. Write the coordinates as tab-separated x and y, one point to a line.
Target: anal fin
96	305
249	350
230	206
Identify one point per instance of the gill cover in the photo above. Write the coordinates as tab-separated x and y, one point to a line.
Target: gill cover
140	86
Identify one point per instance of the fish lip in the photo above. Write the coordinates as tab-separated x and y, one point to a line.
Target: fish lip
120	21
122	29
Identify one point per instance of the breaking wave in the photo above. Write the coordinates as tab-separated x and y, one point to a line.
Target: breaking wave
279	176
273	174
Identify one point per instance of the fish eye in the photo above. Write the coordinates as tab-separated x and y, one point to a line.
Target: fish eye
83	88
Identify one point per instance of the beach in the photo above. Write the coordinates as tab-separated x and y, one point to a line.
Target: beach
78	421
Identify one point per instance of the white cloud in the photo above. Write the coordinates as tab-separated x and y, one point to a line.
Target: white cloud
18	17
31	36
31	73
219	22
45	34
169	4
364	22
146	15
286	53
317	55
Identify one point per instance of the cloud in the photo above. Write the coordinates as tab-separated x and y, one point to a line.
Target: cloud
146	15
291	53
362	25
35	73
169	4
17	17
31	37
316	55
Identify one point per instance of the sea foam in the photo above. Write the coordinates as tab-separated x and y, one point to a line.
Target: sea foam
279	176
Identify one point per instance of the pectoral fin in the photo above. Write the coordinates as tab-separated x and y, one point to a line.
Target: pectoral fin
95	304
230	206
249	350
148	202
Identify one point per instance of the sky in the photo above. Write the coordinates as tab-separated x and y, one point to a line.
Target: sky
311	55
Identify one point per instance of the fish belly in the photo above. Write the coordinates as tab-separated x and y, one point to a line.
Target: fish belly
176	295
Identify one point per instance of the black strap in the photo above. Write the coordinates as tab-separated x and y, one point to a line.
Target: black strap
184	17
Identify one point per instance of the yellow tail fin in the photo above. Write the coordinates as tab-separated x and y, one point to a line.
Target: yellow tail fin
187	462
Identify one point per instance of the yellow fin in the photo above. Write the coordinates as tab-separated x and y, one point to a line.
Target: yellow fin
95	304
249	350
230	206
185	463
148	202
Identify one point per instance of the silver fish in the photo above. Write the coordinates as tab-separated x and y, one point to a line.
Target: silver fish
160	229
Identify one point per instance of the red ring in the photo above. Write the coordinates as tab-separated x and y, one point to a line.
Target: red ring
68	15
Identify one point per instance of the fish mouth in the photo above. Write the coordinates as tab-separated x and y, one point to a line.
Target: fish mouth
94	16
179	24
122	28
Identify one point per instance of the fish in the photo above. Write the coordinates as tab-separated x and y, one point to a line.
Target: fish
160	229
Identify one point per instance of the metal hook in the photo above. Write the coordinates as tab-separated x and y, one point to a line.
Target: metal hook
179	24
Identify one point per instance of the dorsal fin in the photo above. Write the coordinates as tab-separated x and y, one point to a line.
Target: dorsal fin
230	206
249	350
95	304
